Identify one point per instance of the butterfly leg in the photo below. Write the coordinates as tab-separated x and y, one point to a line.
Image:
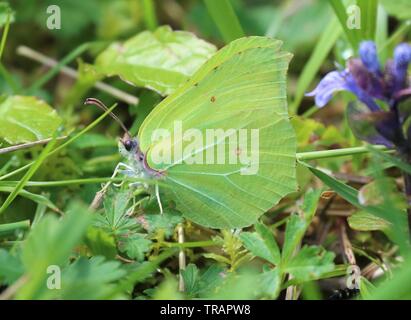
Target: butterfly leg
158	199
123	169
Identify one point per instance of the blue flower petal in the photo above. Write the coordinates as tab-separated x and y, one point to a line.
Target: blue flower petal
333	82
369	57
338	81
402	57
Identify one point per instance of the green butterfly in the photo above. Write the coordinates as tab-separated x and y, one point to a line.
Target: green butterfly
241	87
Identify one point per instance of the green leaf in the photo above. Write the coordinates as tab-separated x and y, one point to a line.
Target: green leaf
51	242
396	217
269	240
262	244
166	222
310	204
364	221
11	267
270	283
225	18
90	279
115	206
399	8
26	119
256	245
5	11
161	60
135	246
294	232
190	277
310	263
101	243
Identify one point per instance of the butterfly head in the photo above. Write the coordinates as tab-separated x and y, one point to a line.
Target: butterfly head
128	146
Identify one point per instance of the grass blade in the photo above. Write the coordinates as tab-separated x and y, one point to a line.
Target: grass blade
225	18
8	229
320	53
341	13
36	164
71	140
32	196
150	17
5	33
368	18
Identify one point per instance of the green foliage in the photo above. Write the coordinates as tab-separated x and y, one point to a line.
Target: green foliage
309	263
399	8
25	119
242	237
161	60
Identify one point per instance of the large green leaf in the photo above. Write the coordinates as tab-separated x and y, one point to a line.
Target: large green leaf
161	60
26	119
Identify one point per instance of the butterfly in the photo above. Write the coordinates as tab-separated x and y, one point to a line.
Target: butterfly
240	92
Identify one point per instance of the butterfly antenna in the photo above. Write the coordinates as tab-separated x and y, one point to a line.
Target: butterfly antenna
102	106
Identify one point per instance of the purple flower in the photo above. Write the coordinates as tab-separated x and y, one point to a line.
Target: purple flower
373	87
369	57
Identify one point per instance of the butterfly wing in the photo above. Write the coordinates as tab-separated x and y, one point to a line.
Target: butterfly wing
243	86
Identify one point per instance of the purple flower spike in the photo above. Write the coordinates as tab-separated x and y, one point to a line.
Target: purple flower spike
402	57
369	57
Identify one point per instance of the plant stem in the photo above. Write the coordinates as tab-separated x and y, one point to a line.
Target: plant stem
5	33
314	155
193	244
60	67
9	228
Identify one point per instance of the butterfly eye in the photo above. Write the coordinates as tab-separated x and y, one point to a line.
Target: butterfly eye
128	144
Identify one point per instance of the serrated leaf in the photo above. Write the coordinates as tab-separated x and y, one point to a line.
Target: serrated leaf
135	246
270	283
190	277
166	222
101	243
161	60
87	279
294	232
259	248
115	205
51	242
26	119
309	263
